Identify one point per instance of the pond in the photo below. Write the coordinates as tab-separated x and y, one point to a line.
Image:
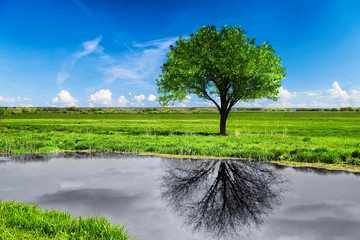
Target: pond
163	198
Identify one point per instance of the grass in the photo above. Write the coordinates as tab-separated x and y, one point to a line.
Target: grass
25	221
312	137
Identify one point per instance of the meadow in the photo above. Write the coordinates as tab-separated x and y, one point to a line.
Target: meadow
27	221
307	137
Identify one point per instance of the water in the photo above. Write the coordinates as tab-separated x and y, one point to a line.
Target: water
160	198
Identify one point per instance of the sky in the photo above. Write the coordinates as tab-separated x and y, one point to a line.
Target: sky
90	53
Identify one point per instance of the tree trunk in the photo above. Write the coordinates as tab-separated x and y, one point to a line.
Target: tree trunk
223	118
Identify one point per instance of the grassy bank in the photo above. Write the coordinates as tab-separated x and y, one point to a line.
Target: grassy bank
23	221
327	137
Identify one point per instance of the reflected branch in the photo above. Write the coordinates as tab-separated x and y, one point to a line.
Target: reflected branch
221	197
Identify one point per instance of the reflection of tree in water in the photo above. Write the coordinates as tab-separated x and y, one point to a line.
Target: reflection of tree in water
221	197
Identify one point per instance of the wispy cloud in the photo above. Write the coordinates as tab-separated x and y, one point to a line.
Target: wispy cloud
88	48
62	76
141	63
7	100
82	6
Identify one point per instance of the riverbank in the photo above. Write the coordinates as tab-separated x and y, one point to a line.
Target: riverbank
27	221
325	137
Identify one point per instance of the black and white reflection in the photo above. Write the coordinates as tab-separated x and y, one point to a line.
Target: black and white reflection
221	197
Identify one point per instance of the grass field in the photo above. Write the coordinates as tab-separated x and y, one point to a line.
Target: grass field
25	221
327	137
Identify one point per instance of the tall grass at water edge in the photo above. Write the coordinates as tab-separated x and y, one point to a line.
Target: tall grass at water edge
26	221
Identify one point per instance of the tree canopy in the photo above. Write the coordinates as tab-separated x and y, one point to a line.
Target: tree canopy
223	67
222	197
3	112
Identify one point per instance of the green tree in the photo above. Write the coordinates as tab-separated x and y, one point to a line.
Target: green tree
224	65
3	113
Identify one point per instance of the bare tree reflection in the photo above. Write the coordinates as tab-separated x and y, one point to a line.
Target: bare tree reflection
222	197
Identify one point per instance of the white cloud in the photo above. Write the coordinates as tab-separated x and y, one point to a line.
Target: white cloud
101	97
62	76
122	101
344	98
88	48
313	104
337	93
142	62
182	105
151	98
187	99
64	98
285	95
82	6
26	99
7	100
139	99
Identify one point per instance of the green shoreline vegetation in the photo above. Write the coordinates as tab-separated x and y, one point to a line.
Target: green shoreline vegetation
330	137
27	221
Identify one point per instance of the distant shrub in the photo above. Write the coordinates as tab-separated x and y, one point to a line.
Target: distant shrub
26	110
308	110
281	109
347	109
154	112
289	110
356	154
72	109
335	109
269	109
3	112
100	112
164	111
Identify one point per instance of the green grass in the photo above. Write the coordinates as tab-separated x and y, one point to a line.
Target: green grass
25	221
327	137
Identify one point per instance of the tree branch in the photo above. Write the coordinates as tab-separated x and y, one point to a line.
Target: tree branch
208	97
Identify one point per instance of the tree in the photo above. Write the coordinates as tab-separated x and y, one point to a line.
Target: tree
224	65
222	197
3	112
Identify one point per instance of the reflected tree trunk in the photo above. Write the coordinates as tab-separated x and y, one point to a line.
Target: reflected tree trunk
221	197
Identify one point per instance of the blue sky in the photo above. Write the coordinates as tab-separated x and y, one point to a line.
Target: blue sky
108	53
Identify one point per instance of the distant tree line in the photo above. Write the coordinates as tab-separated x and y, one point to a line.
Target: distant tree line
77	110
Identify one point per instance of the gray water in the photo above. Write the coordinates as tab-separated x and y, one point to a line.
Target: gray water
162	198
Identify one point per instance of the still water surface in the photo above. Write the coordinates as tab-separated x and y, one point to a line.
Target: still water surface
161	198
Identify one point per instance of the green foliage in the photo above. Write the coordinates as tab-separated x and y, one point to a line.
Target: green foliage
225	64
347	109
73	109
23	221
3	112
308	110
211	63
26	110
